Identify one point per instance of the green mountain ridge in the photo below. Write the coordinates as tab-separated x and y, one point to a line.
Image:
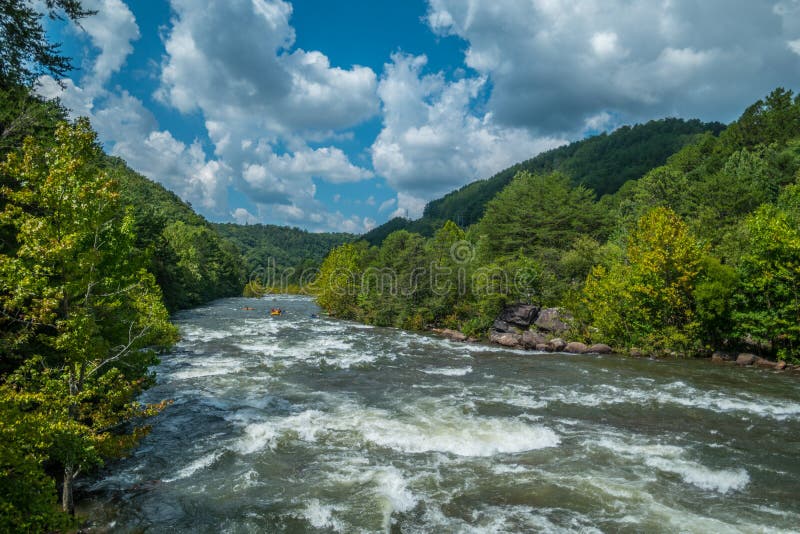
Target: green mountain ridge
603	163
289	251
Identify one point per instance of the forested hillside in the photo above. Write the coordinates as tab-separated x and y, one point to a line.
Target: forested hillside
700	253
602	163
289	252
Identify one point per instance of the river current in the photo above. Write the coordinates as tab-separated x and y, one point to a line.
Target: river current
299	424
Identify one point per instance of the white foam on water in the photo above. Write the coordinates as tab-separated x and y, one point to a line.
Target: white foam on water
257	436
508	519
393	490
207	366
505	469
672	459
446	430
321	515
676	393
195	466
448	371
258	348
721	481
198	333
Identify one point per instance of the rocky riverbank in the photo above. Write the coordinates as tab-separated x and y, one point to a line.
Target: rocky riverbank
528	327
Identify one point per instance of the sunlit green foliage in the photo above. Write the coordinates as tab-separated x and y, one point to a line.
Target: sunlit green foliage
339	281
647	297
80	312
769	295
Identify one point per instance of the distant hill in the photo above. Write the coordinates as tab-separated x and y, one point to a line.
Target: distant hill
191	261
603	163
262	244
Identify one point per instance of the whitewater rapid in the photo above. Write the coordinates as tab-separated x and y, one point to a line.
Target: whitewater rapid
298	424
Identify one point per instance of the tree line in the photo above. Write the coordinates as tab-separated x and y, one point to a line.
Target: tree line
700	253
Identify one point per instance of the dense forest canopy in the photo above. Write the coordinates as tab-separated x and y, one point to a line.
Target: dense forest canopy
276	254
698	253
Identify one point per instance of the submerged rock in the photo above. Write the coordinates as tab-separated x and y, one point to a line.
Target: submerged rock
746	359
763	362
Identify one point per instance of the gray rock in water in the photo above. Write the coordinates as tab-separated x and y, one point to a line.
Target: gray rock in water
746	359
556	344
553	320
600	348
575	347
521	315
531	339
506	339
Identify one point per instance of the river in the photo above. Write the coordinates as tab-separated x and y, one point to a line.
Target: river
297	424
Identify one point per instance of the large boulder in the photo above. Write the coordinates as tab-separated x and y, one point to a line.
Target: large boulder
531	339
506	339
746	359
553	320
556	344
575	347
502	326
600	348
781	365
520	315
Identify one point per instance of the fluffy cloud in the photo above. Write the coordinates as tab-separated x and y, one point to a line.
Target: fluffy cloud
555	65
433	140
113	30
242	216
263	102
242	74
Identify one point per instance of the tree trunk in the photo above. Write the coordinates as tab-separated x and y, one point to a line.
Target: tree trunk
67	504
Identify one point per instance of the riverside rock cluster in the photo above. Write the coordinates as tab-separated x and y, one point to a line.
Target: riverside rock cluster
529	327
526	326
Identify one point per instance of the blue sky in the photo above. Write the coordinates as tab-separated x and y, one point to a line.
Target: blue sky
339	115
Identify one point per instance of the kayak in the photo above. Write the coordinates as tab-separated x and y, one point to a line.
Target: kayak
275	312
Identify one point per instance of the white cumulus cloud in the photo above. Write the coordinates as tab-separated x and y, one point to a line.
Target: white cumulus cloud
433	140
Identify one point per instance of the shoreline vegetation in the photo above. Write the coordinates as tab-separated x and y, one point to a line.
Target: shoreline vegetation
699	256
